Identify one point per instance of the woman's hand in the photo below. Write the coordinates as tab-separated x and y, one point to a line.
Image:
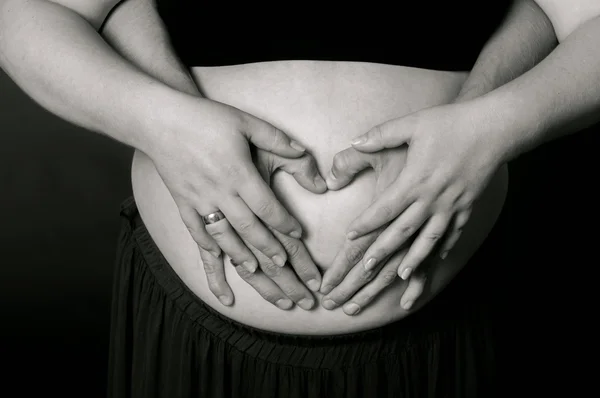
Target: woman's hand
347	276
204	158
448	165
280	284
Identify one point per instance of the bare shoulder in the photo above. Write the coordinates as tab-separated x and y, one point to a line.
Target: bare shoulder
567	16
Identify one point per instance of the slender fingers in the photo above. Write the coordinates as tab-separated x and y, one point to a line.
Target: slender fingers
346	258
210	253
389	205
385	277
346	164
416	287
390	134
257	194
304	170
227	238
454	232
195	226
424	244
268	137
266	287
215	275
301	261
353	282
286	280
252	230
396	234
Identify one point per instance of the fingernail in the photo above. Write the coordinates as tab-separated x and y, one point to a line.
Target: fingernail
359	140
320	182
278	260
352	235
351	309
250	266
306	304
225	300
326	289
370	264
444	255
406	273
284	304
331	175
408	304
313	285
329	304
297	146
215	254
296	234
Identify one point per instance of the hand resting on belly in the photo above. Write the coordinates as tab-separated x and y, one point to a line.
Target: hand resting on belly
322	106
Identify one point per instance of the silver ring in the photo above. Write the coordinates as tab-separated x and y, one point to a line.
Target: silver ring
213	217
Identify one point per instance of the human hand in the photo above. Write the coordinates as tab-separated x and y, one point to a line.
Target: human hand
449	163
204	158
280	284
347	276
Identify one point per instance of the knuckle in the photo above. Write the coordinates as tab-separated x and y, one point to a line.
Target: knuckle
385	212
217	234
234	172
365	276
433	236
388	276
266	208
244	273
340	161
354	254
407	230
292	248
246	226
271	270
293	292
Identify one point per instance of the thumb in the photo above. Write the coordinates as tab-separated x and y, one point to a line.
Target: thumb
346	164
390	134
304	170
268	137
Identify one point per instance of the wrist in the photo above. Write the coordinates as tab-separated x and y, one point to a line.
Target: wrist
155	114
501	124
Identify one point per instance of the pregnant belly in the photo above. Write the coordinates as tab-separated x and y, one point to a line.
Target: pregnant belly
321	105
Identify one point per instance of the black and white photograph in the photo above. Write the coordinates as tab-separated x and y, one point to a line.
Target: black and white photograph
299	200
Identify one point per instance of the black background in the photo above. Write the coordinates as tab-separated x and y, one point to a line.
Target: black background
61	190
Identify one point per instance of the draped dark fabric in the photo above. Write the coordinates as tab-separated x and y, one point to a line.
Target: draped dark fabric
165	342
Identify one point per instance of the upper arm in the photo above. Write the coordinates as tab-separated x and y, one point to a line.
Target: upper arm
93	11
567	16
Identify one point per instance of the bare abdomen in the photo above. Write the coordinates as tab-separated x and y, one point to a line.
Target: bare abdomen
322	105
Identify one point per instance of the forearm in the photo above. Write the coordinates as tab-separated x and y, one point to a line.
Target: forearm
136	31
524	38
560	95
58	59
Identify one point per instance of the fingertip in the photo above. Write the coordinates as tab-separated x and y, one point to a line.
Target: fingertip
297	146
226	300
314	285
326	288
320	184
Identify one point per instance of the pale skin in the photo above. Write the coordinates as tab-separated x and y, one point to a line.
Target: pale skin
120	127
454	149
51	48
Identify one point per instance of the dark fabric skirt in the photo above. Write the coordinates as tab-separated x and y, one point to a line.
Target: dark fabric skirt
165	342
